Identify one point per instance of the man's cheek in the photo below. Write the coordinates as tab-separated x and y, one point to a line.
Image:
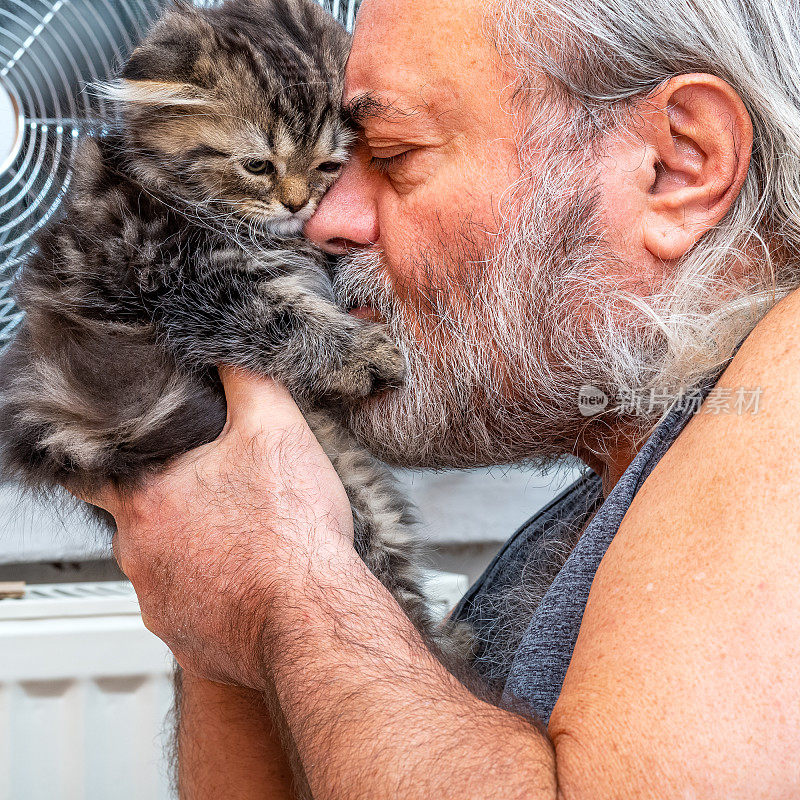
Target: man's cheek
416	264
402	232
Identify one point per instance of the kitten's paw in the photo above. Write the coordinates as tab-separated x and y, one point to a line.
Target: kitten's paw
384	359
373	363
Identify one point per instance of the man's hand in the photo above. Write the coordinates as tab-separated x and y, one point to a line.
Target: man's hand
209	542
241	555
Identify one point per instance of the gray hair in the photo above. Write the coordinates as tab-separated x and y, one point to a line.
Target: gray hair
598	57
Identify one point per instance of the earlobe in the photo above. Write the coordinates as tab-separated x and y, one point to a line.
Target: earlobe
670	242
700	137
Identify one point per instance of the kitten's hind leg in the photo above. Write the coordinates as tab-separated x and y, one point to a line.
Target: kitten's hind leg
94	408
386	540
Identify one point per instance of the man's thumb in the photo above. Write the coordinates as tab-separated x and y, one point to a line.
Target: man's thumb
255	398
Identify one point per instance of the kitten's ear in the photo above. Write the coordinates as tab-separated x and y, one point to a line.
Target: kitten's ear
171	52
168	68
155	93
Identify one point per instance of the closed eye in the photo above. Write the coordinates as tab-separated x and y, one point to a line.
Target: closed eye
384	165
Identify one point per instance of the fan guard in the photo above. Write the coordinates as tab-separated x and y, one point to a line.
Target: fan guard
49	52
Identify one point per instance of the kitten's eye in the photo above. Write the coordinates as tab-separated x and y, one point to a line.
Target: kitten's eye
329	166
257	167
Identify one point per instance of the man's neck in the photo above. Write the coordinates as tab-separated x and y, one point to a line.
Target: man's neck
608	453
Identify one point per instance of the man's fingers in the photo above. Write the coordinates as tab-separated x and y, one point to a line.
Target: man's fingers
254	399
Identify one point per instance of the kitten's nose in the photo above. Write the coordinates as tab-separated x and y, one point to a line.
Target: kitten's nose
294	193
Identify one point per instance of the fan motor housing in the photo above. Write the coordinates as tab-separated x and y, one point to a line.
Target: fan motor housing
11	126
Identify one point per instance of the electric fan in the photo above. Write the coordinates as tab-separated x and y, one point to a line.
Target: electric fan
49	52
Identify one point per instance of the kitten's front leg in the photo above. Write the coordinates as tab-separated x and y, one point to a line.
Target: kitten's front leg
340	355
281	326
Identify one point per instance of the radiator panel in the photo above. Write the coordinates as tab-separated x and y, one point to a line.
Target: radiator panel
84	692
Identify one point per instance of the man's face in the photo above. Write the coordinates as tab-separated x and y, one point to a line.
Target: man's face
437	147
419	212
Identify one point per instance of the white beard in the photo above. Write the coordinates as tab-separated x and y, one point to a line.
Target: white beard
492	374
505	331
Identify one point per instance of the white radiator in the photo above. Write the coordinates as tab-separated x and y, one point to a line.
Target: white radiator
84	691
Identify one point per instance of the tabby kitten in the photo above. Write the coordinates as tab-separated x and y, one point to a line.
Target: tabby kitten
178	248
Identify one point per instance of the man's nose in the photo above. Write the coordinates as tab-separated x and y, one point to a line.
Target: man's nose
346	218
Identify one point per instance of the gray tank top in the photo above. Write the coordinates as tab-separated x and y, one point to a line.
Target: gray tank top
530	677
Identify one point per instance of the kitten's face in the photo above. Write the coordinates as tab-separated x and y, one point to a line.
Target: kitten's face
252	131
237	165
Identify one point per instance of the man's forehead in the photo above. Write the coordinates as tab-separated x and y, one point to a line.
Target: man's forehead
407	53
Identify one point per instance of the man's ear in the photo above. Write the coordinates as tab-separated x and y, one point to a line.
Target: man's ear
699	138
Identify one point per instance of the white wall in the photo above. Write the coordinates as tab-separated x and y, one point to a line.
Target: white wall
465	516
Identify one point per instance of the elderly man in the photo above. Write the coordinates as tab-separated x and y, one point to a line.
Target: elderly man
559	207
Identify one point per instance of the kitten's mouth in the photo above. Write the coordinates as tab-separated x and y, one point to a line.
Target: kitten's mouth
265	213
290	225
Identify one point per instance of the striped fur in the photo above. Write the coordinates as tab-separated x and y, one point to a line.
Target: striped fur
170	255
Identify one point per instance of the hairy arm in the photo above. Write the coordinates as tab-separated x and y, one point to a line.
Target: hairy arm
226	744
375	715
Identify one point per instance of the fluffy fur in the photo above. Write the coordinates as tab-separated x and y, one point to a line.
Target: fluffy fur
174	252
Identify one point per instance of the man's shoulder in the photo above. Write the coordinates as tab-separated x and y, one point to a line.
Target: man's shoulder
770	352
689	643
744	441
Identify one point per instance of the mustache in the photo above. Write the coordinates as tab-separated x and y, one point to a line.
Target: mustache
433	287
360	279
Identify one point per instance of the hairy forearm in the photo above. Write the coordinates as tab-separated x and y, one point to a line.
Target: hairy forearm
227	746
375	715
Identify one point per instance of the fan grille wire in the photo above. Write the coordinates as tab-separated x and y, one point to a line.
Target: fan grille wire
49	53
